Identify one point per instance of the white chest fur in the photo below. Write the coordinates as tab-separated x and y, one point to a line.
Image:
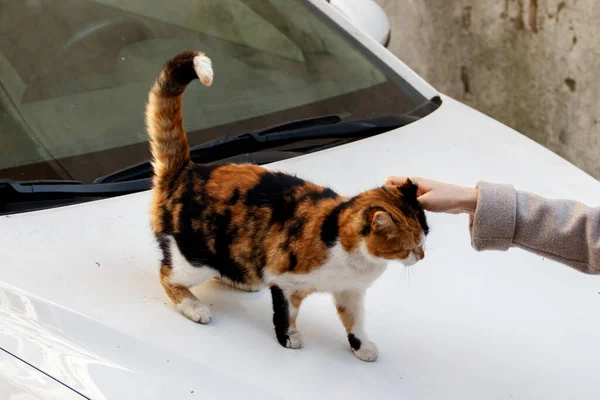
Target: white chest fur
342	271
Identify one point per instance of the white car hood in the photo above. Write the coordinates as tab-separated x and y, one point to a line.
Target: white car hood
80	297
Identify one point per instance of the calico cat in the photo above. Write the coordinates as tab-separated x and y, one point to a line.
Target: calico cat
252	228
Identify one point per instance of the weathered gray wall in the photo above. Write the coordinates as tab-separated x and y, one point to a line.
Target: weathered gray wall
531	64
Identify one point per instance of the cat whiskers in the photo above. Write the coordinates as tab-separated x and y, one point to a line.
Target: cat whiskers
407	274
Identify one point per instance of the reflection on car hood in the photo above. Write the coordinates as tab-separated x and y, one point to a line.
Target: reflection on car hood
80	297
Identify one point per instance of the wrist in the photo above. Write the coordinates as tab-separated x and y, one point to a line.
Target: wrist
469	200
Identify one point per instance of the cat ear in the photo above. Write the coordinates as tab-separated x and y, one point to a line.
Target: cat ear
382	223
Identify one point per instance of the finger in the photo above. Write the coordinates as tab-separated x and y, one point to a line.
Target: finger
423	185
396	180
425	201
419	181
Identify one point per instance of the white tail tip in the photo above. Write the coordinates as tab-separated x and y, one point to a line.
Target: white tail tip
203	68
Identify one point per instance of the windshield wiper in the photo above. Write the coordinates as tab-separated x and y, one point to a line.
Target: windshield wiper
27	195
246	144
252	147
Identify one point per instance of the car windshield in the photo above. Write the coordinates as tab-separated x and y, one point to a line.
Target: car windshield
74	77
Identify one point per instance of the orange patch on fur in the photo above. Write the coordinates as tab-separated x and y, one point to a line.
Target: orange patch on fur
346	318
296	300
176	293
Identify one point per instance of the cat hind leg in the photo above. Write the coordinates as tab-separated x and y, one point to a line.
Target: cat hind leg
176	279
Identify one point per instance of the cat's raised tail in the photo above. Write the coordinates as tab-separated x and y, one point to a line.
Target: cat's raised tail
164	119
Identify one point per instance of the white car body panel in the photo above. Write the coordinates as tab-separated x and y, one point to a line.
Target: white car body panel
81	300
19	381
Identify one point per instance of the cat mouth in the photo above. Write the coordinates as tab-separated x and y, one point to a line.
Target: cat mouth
419	253
414	257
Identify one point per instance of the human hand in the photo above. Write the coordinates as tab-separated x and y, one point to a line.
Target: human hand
441	197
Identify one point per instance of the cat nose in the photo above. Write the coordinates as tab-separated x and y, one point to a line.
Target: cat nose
420	253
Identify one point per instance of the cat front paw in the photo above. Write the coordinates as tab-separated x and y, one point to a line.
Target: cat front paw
367	352
294	340
195	310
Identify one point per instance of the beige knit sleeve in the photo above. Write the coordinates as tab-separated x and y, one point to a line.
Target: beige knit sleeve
563	230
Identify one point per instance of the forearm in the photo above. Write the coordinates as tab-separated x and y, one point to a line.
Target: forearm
563	230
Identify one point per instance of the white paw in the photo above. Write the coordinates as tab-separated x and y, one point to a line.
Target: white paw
195	311
367	352
294	340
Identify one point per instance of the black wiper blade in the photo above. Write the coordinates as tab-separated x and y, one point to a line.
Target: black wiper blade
349	129
301	123
17	196
294	131
325	127
144	168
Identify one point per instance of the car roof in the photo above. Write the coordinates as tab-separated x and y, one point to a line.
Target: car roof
81	298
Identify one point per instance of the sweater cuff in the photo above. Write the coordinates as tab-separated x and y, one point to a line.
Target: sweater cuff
492	227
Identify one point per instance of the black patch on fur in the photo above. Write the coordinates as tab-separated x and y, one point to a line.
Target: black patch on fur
223	233
315	196
193	244
271	188
294	230
355	342
328	194
167	220
366	229
322	195
163	244
276	191
161	237
293	261
411	205
178	73
235	197
256	229
330	230
203	172
368	219
175	179
281	314
423	221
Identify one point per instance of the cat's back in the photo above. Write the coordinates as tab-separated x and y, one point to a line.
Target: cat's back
248	185
277	198
249	194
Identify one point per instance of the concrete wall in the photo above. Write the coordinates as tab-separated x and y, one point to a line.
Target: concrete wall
531	64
